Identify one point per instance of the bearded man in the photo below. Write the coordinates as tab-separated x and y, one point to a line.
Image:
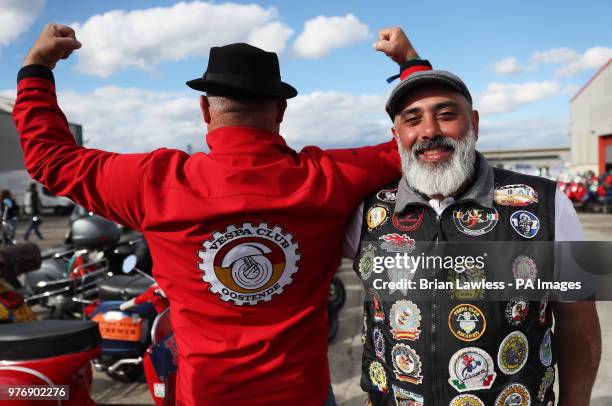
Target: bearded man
438	350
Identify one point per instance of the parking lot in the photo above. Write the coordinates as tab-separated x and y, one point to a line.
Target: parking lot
345	351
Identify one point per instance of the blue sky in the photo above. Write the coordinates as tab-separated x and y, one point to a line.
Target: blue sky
522	61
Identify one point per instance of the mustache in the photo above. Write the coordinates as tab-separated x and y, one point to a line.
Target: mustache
436	142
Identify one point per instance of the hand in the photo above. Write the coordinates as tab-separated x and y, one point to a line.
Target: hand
54	43
395	44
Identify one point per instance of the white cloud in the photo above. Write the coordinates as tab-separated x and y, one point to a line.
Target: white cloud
16	16
271	37
323	34
523	133
570	89
144	38
508	66
505	97
594	57
555	55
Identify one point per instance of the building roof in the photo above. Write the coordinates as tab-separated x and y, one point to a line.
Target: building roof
592	79
6	104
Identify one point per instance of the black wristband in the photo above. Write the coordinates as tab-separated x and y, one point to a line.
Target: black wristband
35	71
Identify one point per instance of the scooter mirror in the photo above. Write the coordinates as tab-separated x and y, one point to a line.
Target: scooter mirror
129	263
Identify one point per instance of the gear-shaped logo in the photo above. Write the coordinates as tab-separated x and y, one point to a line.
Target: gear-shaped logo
247	264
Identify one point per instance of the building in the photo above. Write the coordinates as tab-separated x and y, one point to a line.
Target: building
13	175
591	123
549	162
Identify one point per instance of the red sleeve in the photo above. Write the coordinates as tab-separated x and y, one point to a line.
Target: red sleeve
366	169
106	183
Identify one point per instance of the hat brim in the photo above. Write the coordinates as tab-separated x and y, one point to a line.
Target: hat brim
283	91
417	80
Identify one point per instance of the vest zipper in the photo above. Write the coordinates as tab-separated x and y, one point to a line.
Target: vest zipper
434	318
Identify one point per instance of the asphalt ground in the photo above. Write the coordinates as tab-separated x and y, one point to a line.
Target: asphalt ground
345	352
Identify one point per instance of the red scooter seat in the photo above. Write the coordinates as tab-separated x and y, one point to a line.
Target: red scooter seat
123	287
47	338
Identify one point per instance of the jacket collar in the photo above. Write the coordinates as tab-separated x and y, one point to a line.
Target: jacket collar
235	140
481	190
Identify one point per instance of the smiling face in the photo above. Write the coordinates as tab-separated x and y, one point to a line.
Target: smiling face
436	130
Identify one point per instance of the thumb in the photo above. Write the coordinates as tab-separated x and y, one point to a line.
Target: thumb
383	46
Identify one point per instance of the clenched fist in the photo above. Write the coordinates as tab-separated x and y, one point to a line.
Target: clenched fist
54	43
394	43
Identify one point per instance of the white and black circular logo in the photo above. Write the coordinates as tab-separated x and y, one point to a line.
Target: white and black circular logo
246	264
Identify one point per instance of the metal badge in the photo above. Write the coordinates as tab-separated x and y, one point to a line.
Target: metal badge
513	353
547	380
405	320
377	215
471	369
387	195
407	364
366	262
467	322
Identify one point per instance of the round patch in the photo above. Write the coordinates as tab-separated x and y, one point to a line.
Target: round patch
524	268
470	369
514	394
405	320
379	343
366	262
466	400
409	222
364	329
547	380
546	354
407	364
467	322
515	195
247	264
387	195
516	311
475	221
513	353
377	306
525	223
378	376
404	397
376	217
468	275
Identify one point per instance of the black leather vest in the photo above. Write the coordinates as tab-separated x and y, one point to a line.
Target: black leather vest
455	348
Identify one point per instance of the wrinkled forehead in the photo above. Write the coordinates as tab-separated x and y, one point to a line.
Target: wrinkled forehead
430	95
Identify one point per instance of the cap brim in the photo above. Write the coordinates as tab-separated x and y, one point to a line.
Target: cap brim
399	93
284	91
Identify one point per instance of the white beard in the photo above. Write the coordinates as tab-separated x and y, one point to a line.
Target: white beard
444	178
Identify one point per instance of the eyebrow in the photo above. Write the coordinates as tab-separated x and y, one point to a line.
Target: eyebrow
439	106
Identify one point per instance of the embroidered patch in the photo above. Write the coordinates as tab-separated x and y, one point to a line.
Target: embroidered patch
472	274
379	343
547	380
409	222
405	320
377	306
543	306
467	322
513	353
366	262
407	364
378	377
514	394
247	264
364	328
404	397
525	223
475	221
515	195
397	243
516	311
387	195
397	275
466	400
524	268
471	369
377	216
546	354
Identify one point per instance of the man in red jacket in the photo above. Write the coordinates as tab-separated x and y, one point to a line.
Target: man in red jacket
245	239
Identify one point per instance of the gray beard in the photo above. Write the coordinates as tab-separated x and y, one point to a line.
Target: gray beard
443	178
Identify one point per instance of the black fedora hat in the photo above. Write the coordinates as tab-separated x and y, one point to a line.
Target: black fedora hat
242	69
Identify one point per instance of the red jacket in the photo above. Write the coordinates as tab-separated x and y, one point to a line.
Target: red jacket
244	240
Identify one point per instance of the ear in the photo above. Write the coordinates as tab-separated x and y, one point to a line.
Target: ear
281	106
205	107
475	118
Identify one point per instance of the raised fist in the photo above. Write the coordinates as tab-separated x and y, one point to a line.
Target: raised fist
55	42
395	44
